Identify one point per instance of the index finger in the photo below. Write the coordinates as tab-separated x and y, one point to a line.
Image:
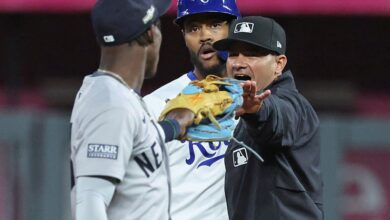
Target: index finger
263	95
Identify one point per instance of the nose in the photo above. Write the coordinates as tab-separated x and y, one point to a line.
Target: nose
238	62
205	35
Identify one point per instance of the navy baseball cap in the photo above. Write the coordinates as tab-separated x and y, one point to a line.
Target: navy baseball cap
120	21
255	30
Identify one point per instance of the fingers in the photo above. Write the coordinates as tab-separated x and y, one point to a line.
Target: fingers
249	88
263	95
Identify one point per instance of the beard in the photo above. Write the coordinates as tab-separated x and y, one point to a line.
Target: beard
218	69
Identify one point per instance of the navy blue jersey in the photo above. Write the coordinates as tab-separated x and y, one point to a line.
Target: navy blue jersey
288	184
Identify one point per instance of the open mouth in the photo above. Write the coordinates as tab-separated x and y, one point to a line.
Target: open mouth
206	52
242	77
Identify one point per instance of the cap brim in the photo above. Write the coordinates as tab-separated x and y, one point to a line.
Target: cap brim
179	21
226	44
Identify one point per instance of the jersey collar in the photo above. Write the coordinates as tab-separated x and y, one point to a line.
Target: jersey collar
192	75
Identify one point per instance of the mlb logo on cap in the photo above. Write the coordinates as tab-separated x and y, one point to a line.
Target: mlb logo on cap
263	33
108	38
244	27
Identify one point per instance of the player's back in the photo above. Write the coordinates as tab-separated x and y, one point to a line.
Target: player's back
113	136
197	168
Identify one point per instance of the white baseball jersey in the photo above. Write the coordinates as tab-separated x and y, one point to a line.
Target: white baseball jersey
112	135
197	168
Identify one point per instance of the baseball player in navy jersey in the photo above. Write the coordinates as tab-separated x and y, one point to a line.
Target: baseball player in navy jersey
120	164
197	168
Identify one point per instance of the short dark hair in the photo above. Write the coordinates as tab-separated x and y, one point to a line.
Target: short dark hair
144	39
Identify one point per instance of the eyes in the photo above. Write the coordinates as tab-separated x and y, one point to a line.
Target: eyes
216	25
195	27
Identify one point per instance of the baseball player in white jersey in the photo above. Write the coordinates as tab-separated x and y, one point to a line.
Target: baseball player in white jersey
197	168
120	164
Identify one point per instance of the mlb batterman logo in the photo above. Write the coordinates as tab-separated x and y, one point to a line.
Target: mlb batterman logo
240	157
108	38
243	27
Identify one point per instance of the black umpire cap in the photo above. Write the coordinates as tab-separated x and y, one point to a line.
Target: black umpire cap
120	21
255	30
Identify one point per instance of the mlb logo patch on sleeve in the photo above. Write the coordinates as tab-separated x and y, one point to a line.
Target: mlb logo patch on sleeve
104	151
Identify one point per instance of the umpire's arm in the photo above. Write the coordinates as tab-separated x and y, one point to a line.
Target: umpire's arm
283	120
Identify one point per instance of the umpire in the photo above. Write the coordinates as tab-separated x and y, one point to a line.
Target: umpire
278	123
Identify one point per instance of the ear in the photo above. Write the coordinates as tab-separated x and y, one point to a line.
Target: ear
281	61
151	33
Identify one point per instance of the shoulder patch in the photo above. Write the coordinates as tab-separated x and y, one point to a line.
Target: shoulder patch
104	151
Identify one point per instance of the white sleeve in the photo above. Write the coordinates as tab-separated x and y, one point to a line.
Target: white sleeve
155	105
105	143
93	195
